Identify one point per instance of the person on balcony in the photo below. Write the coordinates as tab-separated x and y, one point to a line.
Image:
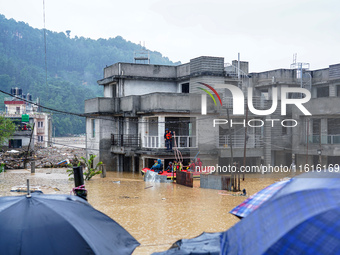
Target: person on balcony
168	139
158	166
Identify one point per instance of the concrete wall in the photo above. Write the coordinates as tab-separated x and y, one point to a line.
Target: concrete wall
100	144
320	75
141	70
165	102
183	70
287	76
100	104
211	65
138	87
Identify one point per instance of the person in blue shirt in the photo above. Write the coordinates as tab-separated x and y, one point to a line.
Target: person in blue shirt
158	166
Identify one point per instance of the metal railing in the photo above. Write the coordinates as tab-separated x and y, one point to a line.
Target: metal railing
151	142
185	141
325	139
252	141
179	141
125	140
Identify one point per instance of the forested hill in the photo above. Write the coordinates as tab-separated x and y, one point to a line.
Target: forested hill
73	67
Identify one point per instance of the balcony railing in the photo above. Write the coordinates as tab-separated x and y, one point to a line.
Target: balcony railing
325	139
178	141
252	141
125	140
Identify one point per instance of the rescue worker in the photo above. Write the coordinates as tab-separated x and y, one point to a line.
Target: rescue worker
158	166
168	139
177	166
192	165
170	168
198	165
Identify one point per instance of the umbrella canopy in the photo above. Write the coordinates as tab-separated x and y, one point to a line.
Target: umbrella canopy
59	224
206	243
300	218
254	201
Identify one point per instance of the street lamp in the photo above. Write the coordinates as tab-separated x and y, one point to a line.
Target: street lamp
319	153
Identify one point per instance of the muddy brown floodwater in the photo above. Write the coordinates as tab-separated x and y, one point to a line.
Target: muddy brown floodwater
156	214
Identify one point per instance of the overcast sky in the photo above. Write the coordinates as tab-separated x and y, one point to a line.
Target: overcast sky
266	33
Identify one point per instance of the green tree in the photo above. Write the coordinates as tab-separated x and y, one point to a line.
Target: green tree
7	129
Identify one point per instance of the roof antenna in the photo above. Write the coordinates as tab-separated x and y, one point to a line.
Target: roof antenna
28	188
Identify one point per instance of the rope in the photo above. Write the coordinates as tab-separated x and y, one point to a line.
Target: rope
178	154
74	190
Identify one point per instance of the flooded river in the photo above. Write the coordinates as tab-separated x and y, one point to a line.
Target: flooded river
156	214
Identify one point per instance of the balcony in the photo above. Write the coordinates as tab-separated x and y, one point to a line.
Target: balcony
179	141
125	140
325	139
253	141
101	105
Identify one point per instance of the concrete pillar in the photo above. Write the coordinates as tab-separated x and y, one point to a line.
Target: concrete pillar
161	131
32	167
103	169
142	130
332	90
267	148
324	131
133	163
126	126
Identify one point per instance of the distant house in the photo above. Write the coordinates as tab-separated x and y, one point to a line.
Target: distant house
125	128
26	115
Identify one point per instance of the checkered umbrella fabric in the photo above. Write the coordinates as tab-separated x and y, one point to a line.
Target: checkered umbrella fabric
301	218
254	201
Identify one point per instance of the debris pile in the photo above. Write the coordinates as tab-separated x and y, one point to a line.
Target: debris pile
43	157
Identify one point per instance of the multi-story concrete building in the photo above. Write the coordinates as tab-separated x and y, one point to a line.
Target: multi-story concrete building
125	128
15	108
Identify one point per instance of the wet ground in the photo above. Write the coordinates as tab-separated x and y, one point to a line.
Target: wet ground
156	214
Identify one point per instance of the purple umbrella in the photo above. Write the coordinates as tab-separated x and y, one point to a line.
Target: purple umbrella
254	201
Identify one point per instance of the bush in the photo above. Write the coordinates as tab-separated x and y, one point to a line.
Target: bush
89	171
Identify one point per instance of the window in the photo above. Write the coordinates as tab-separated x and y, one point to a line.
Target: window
316	126
17	110
322	92
93	127
338	90
185	88
333	126
15	143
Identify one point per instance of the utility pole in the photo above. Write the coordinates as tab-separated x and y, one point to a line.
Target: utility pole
232	181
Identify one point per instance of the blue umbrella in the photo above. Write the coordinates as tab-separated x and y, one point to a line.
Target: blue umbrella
254	201
301	218
59	224
206	243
